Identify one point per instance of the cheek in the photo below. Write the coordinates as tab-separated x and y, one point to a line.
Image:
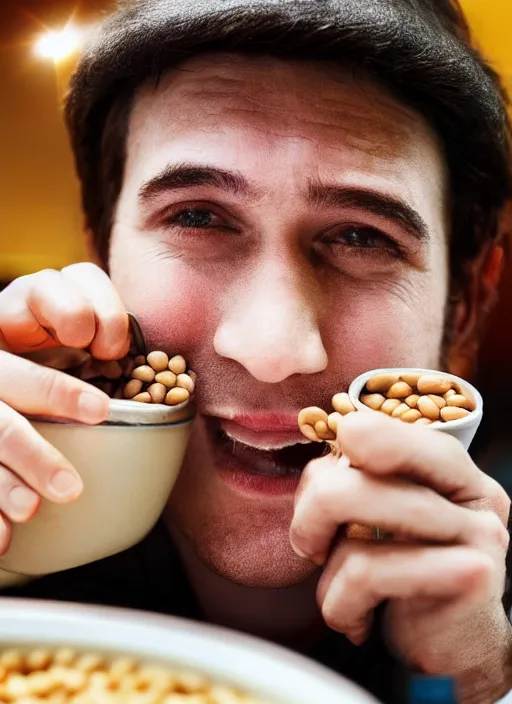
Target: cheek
173	303
375	329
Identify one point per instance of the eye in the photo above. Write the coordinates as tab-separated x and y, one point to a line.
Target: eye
195	218
368	240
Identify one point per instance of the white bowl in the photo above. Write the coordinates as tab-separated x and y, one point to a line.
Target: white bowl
255	666
463	429
128	472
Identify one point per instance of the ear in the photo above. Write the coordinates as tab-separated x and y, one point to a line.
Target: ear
472	310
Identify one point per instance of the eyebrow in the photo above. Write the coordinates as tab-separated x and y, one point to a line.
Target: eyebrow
380	204
188	175
177	176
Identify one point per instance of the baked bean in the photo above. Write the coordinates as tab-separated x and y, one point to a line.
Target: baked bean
438	400
144	373
381	383
400	409
158	361
430	384
390	405
428	408
176	396
453	413
157	392
178	364
399	390
373	401
342	404
412	400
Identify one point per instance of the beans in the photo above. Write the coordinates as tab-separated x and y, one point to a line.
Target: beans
412	400
154	382
430	384
438	400
400	409
342	404
381	383
158	361
167	378
178	365
143	397
390	405
132	388
399	390
323	431
417	398
373	401
176	396
185	382
157	392
411	416
41	676
453	413
460	401
308	418
397	396
333	421
428	408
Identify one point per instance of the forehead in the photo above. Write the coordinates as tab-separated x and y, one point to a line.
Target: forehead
238	112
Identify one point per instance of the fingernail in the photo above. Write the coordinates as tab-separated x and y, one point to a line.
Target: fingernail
65	485
22	499
93	408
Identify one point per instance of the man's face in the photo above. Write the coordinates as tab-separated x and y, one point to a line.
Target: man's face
283	226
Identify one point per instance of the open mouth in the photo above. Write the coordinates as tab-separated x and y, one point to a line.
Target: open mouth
234	454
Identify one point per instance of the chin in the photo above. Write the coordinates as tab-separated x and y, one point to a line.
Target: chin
260	561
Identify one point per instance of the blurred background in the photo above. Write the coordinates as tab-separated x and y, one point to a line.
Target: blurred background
40	219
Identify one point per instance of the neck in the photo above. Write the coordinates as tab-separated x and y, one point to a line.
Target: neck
288	616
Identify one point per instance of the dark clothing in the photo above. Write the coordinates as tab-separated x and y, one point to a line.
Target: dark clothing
150	577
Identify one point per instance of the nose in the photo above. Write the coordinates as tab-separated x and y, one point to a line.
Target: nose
270	326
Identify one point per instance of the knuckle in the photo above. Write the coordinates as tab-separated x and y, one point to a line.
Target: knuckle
86	268
333	615
491	526
497	498
12	427
357	572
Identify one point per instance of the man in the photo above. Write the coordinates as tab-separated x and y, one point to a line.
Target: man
288	193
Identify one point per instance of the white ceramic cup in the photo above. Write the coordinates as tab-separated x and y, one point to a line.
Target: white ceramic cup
253	665
463	429
128	465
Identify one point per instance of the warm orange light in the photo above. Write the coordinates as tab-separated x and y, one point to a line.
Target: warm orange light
58	45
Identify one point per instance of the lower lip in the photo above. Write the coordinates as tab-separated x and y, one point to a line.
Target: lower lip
244	481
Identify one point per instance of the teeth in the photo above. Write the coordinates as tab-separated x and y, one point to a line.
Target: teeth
265	446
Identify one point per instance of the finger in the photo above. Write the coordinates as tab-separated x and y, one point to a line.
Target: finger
20	331
334	494
34	460
365	574
60	307
384	446
112	338
44	310
5	534
18	502
36	390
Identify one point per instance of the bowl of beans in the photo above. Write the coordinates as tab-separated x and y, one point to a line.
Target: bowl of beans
439	400
68	654
128	464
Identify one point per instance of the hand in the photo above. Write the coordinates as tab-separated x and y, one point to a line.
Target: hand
79	308
444	574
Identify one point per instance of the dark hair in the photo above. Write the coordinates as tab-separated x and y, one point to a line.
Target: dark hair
420	50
